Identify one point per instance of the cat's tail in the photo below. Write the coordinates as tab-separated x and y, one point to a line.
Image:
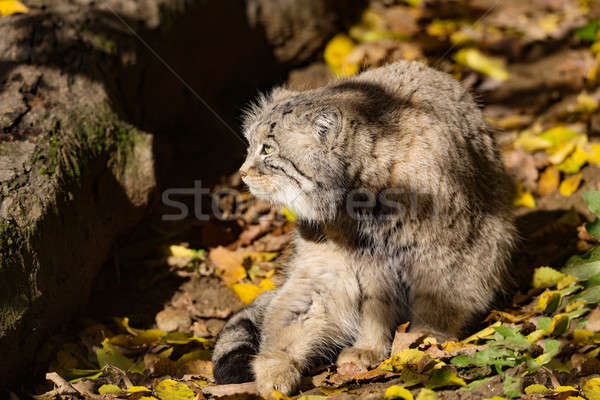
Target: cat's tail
238	343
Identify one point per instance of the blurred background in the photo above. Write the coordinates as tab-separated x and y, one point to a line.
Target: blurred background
105	105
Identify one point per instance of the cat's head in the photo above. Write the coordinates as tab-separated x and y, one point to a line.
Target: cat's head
294	157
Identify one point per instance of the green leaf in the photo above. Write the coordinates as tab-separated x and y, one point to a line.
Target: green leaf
593	228
461	360
588	32
444	377
475	384
552	347
109	355
591	295
511	338
592	199
584	266
512	386
76	374
110	389
544	323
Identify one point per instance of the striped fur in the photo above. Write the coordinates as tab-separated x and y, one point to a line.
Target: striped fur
404	214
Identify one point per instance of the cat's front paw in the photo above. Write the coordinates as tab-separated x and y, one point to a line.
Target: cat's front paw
276	371
364	358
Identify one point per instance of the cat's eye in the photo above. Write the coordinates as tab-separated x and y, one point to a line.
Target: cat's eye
267	149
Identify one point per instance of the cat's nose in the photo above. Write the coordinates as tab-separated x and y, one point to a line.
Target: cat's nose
243	174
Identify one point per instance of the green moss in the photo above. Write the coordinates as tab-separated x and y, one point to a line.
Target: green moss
69	153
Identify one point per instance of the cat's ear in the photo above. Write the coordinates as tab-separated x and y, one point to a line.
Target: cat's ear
327	124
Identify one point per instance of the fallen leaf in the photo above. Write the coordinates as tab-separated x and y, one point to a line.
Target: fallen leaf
427	394
8	7
548	302
537	389
289	215
109	355
523	197
546	277
591	389
110	389
398	392
476	60
335	55
570	185
170	389
444	377
575	161
549	180
247	292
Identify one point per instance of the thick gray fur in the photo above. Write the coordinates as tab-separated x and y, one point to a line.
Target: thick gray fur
404	209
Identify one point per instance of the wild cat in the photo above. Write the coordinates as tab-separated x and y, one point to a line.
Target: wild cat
404	215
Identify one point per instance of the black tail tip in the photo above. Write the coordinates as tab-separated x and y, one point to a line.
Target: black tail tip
234	367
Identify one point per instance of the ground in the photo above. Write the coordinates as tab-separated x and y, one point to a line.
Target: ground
534	68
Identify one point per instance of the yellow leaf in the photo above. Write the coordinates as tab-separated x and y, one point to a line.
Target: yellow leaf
585	336
558	134
536	388
260	256
109	389
234	275
586	103
575	161
531	143
267	284
169	389
591	389
335	55
398	392
546	277
560	152
566	281
549	23
570	185
536	335
136	389
8	7
594	152
549	180
247	292
180	251
576	305
277	395
548	302
330	391
563	389
524	197
427	394
476	60
485	333
289	215
559	324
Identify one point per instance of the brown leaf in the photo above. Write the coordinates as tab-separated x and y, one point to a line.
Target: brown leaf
231	390
404	340
593	321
